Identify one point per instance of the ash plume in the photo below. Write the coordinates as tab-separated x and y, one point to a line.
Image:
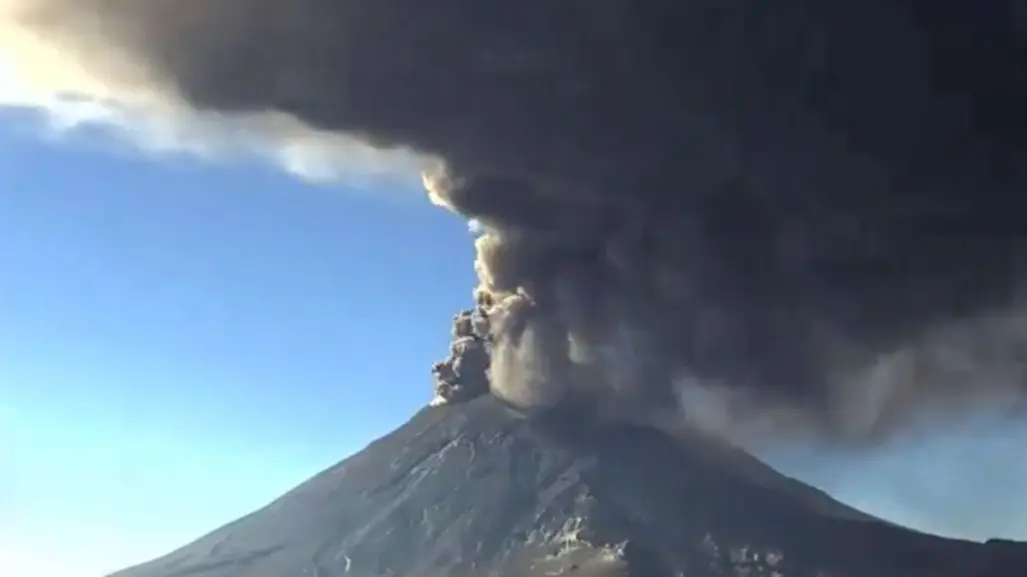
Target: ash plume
777	217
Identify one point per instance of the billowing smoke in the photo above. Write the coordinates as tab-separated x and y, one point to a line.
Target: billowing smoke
779	216
464	375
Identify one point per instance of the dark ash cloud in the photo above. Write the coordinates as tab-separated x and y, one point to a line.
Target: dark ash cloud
802	216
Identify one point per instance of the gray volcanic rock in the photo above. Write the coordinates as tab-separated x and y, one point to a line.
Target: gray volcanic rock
473	490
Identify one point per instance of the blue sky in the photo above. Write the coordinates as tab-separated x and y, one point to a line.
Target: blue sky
182	341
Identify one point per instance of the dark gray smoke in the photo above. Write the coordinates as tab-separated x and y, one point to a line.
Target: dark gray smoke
464	374
796	215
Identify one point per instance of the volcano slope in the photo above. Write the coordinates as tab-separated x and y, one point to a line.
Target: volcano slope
474	490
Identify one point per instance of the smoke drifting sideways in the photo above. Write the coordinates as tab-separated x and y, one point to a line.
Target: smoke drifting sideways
782	218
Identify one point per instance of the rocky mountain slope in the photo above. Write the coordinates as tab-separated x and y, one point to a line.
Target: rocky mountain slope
473	490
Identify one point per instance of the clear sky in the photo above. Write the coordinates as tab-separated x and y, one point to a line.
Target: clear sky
181	341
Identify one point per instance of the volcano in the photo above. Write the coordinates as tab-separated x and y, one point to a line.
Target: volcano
474	490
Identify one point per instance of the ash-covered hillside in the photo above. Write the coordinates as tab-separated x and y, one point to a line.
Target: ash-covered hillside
474	490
